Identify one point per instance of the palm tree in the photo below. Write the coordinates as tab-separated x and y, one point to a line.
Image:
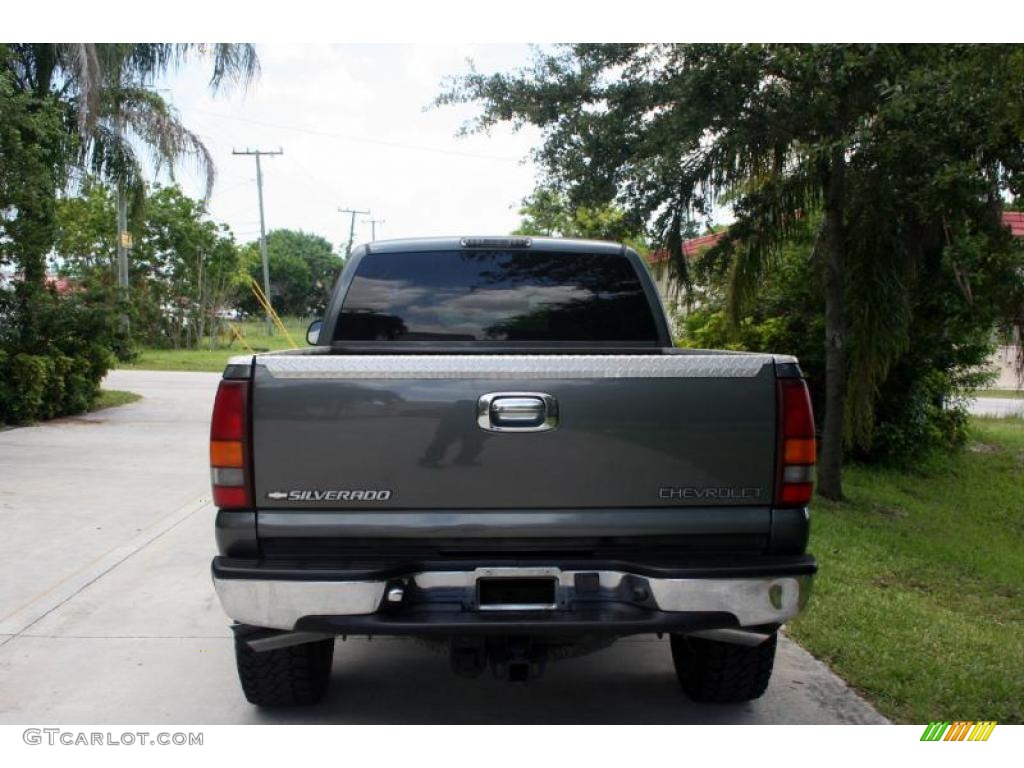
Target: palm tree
127	112
114	111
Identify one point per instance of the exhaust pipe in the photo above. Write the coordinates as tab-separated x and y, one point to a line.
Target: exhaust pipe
270	640
734	636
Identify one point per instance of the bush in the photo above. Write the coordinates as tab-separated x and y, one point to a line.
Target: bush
22	386
924	415
54	352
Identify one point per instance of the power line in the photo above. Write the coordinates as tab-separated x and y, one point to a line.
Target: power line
364	140
316	178
257	153
234	186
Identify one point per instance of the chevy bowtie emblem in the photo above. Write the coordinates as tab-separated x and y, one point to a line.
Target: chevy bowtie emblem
277	495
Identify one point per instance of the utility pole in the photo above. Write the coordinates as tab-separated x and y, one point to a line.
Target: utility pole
124	238
352	227
373	226
257	153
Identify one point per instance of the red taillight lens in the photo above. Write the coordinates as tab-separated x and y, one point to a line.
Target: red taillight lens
229	411
229	446
796	494
230	497
797	416
797	447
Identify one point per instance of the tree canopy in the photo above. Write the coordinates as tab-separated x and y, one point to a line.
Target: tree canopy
111	111
303	269
184	267
116	108
547	212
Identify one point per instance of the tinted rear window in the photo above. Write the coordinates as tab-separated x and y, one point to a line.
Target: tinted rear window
495	296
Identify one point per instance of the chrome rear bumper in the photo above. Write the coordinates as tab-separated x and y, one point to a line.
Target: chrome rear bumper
294	603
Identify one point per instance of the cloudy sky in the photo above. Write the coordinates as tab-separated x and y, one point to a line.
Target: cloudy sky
356	130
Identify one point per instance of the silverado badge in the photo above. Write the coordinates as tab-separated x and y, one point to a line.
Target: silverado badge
329	495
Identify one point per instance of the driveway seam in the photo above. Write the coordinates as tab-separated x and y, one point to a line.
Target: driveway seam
165	526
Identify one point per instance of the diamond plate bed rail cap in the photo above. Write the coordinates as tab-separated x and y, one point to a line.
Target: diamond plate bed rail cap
514	366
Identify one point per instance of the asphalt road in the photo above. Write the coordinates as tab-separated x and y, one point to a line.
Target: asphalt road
107	614
996	406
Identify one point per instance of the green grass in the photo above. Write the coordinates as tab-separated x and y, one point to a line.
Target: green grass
111	398
207	359
919	602
1015	394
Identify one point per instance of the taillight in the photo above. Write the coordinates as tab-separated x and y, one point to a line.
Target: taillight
229	448
794	483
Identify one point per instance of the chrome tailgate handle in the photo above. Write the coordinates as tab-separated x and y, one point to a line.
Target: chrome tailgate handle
517	412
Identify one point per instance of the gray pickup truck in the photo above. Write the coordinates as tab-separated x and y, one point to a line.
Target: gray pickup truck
493	445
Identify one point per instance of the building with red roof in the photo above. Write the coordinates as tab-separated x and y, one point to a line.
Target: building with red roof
62	285
691	248
1015	221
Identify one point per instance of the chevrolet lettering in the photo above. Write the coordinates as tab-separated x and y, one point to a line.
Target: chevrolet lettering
709	493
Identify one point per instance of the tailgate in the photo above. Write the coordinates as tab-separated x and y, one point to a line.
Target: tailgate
404	431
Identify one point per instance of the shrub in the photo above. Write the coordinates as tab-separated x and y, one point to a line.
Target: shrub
922	416
54	352
22	386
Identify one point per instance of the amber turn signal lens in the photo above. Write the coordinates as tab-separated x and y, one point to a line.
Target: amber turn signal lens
226	453
800	451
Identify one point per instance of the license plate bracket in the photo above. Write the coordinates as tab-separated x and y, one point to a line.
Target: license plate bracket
516	593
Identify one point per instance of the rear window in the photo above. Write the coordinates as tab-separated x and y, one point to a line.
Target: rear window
496	296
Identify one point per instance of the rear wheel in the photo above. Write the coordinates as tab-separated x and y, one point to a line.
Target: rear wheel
283	677
713	671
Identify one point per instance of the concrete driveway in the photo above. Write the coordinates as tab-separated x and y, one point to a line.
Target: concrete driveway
107	614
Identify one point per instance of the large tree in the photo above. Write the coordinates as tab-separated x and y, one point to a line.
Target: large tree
34	156
905	151
184	268
303	269
547	212
112	111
